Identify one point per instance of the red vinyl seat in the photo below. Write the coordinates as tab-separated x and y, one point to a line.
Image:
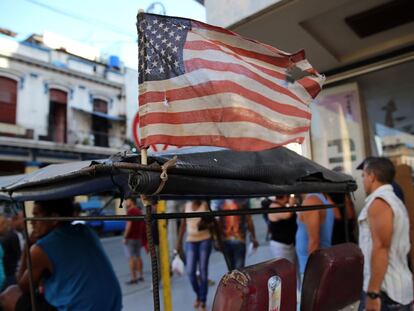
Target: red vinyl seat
246	289
333	278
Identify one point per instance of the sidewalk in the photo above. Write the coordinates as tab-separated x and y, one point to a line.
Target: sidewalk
138	297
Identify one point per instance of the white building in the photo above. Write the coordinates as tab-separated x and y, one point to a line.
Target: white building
60	102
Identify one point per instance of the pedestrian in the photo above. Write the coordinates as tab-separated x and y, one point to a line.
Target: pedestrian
197	251
4	229
344	219
283	229
384	240
264	204
314	228
17	225
134	240
70	264
234	229
395	186
12	253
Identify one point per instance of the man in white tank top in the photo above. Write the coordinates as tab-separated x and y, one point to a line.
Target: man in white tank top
384	240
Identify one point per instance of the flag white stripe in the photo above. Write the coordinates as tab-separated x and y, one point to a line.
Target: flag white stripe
225	129
211	55
207	75
224	100
195	37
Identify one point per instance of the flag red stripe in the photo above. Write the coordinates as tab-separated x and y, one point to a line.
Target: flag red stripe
217	87
278	61
198	63
219	115
235	143
311	86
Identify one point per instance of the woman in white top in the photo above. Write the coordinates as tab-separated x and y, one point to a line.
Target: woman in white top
197	251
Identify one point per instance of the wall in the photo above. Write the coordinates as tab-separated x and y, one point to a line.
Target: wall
131	98
403	178
224	13
32	102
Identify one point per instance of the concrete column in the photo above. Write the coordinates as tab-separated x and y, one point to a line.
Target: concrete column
403	178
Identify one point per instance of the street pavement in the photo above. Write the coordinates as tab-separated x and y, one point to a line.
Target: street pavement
138	297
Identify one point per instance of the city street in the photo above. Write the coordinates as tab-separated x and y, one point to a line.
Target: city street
202	100
139	296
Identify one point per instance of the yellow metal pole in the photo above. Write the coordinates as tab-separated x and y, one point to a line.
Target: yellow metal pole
164	258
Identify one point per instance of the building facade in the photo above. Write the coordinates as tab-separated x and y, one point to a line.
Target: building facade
61	104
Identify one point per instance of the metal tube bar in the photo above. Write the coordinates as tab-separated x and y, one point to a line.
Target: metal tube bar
192	215
153	255
29	261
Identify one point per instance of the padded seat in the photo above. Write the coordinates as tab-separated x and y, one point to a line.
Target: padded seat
333	278
246	289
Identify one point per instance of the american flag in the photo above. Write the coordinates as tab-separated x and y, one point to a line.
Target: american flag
202	85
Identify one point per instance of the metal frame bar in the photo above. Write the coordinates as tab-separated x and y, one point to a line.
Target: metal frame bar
193	215
29	261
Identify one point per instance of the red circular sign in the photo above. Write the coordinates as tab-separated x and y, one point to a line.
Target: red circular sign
135	134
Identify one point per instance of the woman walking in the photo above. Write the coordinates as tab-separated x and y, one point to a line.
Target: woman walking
282	227
197	251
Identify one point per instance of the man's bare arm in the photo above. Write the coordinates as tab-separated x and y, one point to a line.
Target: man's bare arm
40	265
127	229
250	227
380	217
181	232
312	221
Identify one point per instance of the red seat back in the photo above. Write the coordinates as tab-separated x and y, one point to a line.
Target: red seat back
333	278
246	289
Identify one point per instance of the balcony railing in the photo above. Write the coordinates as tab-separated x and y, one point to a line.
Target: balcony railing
69	136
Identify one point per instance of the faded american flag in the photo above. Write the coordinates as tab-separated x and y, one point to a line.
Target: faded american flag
201	85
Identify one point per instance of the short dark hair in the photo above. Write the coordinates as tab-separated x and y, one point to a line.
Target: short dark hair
381	167
60	207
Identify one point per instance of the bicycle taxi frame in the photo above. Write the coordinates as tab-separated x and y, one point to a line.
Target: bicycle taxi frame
188	173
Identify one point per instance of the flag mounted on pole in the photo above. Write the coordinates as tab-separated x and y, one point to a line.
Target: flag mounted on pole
202	85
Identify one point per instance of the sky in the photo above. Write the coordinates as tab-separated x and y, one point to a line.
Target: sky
105	24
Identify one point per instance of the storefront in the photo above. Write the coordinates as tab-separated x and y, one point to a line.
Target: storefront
366	51
368	111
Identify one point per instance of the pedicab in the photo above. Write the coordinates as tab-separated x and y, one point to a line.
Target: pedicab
333	277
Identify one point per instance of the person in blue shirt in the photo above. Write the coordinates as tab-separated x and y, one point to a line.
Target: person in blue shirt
69	263
314	228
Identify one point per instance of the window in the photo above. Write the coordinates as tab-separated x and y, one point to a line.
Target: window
57	116
100	125
8	100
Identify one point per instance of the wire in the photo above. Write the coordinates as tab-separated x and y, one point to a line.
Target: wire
81	18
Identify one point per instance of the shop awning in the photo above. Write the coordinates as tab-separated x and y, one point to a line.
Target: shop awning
198	172
101	114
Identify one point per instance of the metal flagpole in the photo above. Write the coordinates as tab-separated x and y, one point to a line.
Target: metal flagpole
148	221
